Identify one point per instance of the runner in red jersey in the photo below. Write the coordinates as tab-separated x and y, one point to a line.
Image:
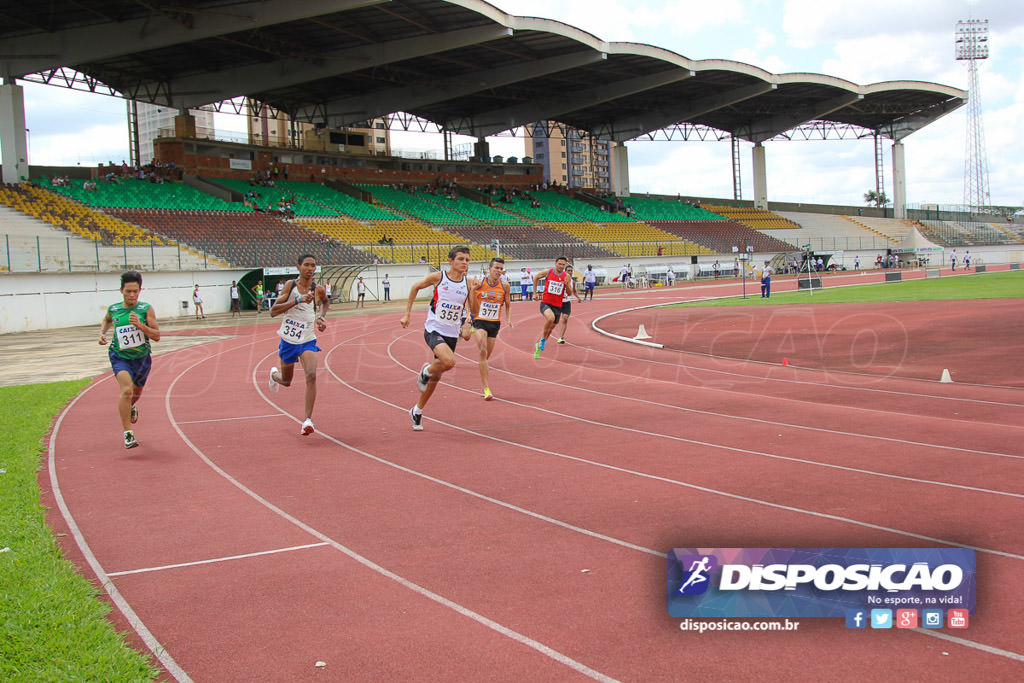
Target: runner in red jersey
551	299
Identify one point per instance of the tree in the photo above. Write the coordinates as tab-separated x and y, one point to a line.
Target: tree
876	198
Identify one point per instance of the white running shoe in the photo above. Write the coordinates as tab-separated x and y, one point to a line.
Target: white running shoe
307	427
417	420
273	386
129	439
423	378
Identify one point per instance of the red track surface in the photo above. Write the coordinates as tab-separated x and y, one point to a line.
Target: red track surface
525	538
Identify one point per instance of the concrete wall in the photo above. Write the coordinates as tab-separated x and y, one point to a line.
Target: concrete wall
36	301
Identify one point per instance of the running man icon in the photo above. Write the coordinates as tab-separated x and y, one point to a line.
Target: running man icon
697	577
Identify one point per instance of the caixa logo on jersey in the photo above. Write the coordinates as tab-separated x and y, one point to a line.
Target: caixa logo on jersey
816	582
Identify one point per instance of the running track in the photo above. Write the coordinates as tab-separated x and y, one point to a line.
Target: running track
525	538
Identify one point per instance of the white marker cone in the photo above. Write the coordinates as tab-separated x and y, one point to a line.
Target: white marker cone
642	333
946	379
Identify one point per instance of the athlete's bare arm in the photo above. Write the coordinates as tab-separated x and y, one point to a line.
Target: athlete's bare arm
431	280
281	304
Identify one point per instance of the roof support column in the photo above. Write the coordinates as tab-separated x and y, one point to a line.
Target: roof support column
620	170
12	133
899	181
482	149
760	178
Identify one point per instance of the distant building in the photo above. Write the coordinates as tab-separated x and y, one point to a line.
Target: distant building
158	121
570	157
279	131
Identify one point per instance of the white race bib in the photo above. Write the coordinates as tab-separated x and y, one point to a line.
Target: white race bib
448	312
292	330
129	337
555	287
489	310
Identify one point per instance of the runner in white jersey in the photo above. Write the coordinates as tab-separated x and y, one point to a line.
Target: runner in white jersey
446	322
298	305
567	294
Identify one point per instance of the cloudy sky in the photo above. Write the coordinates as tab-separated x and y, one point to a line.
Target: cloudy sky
864	41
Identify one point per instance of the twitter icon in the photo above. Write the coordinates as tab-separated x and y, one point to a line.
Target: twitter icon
881	618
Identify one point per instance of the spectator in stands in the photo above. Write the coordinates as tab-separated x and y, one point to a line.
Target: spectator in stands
423	259
659	246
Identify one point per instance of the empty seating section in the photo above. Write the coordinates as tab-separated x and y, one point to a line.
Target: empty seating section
650	208
721	236
829	232
543	213
965	234
533	242
417	203
140	194
632	239
578	208
406	235
890	228
80	220
758	219
338	201
245	239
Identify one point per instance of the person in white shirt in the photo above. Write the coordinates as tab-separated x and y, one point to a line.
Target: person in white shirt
360	294
589	282
386	282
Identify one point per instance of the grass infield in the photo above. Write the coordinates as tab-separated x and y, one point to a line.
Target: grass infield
54	624
1003	285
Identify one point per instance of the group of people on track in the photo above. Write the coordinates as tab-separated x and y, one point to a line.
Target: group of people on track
461	306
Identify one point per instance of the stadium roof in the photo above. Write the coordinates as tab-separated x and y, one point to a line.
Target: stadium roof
462	64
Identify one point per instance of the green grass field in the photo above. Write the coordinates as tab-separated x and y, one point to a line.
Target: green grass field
1002	285
54	627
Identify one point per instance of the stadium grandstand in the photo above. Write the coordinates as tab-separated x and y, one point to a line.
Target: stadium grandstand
215	202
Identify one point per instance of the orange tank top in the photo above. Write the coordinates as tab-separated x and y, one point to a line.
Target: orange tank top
491	299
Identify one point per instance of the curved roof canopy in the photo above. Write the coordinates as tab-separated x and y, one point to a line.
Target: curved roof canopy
462	64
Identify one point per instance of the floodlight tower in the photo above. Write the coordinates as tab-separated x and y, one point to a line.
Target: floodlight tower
972	46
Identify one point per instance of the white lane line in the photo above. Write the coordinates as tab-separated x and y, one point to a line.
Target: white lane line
164	657
843	387
744	451
636	473
232	419
215	560
964	642
729	416
970	643
520	638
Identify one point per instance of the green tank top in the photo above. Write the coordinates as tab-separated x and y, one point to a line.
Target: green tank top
128	342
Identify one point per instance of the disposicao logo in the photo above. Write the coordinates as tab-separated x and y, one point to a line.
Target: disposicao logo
817	582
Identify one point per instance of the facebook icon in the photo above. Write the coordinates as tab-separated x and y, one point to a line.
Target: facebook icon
856	618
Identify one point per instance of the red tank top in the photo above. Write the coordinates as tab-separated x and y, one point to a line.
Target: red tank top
554	285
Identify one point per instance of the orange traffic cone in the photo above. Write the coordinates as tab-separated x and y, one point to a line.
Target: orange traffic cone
785	361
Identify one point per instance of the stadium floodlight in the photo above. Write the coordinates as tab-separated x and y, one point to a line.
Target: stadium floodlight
972	39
